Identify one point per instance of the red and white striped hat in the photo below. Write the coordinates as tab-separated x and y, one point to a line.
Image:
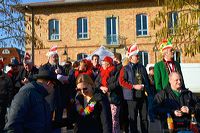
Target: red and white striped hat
27	58
133	50
52	51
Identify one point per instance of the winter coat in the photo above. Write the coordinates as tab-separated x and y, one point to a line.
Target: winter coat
161	76
98	121
29	111
114	90
6	89
167	102
25	74
127	79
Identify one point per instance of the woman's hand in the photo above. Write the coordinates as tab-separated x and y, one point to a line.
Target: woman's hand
104	89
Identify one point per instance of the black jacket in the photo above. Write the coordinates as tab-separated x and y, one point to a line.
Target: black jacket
167	102
6	89
98	121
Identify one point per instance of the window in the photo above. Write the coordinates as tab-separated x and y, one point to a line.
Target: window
172	22
141	25
6	51
143	58
82	28
1	58
177	56
81	56
111	30
54	33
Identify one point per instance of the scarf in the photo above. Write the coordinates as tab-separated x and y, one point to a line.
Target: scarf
105	74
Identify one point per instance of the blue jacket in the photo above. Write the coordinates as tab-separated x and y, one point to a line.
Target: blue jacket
29	111
129	77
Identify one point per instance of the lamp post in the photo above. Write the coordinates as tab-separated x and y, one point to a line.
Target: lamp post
155	50
65	53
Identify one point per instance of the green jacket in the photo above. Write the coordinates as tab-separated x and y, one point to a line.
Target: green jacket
161	76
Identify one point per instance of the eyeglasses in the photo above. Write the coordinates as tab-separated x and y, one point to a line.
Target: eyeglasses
83	89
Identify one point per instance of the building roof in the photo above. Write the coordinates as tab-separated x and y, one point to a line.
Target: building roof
69	2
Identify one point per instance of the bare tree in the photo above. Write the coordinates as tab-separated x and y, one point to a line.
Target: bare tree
11	24
179	19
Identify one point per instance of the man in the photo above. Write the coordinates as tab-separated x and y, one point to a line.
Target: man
28	71
29	111
14	74
167	65
6	87
96	66
134	80
58	98
176	100
123	106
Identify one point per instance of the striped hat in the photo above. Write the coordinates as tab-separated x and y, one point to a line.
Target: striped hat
133	50
52	51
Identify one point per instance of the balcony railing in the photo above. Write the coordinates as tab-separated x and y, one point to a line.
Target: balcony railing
115	40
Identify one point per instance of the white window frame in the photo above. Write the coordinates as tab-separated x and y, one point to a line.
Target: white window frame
54	36
142	30
82	33
172	17
1	58
143	59
112	35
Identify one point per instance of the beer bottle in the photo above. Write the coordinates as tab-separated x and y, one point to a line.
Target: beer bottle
193	124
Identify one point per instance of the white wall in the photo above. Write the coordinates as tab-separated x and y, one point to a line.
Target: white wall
191	75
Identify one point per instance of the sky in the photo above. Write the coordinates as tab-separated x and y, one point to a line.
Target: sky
32	1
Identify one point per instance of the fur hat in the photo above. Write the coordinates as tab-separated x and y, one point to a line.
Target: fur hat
52	51
133	50
165	44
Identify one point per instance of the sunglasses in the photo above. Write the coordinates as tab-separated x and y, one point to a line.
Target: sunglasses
83	89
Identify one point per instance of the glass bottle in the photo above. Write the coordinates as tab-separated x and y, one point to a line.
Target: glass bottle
193	124
170	123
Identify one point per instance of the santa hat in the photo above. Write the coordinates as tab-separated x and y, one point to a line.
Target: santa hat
165	44
108	59
27	58
52	51
133	50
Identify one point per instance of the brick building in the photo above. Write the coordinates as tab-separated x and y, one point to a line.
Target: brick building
7	54
81	26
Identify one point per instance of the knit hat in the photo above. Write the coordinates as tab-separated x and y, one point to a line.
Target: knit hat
166	43
52	51
27	58
133	50
108	59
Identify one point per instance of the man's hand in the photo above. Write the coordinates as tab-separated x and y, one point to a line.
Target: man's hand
185	109
178	113
58	71
138	86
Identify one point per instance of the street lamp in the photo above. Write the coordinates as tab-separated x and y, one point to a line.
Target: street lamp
65	53
155	50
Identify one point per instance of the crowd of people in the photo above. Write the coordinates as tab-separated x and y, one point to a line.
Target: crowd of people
98	96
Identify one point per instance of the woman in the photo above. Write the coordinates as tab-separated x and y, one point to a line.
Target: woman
108	84
91	108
